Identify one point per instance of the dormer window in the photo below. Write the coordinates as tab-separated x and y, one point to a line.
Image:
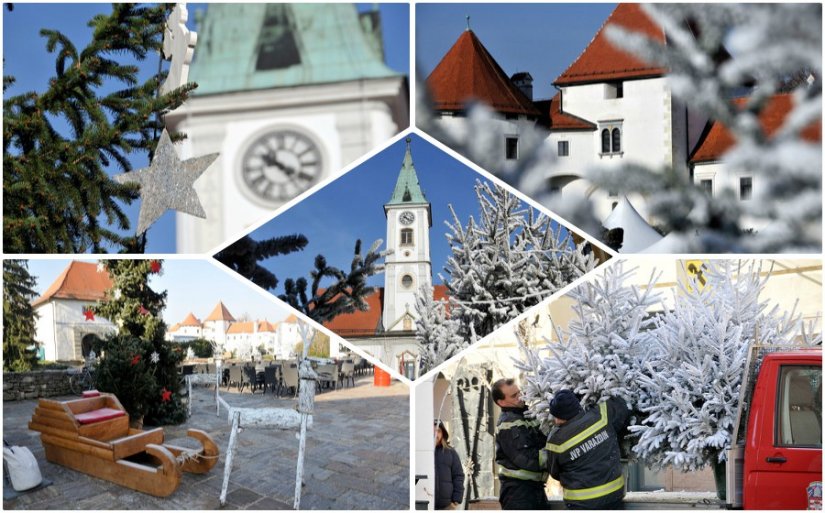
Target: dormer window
613	90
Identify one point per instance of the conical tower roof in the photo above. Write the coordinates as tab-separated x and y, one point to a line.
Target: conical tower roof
190	320
220	313
468	72
407	189
602	61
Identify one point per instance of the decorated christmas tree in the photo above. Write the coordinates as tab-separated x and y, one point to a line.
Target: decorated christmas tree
18	316
58	196
602	352
689	387
137	364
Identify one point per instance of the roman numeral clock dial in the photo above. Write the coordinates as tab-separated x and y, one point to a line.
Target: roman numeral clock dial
279	166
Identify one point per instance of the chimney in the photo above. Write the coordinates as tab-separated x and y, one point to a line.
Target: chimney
524	81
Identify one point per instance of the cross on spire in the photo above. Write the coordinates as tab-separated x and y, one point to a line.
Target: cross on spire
468	21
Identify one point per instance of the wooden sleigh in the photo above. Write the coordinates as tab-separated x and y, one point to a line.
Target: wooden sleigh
92	435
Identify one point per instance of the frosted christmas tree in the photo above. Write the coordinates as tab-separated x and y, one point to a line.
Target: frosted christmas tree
602	352
689	389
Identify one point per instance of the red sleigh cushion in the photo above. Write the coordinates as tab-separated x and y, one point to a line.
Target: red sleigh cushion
99	415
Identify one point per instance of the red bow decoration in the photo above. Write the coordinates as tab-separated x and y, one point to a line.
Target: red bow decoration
165	395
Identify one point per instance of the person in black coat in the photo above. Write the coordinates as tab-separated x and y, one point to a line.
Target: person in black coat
449	474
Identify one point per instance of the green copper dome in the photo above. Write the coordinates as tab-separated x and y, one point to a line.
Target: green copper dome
261	46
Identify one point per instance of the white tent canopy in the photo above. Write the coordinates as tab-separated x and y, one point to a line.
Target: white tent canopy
638	235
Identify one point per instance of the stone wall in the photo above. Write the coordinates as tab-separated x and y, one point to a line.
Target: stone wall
32	385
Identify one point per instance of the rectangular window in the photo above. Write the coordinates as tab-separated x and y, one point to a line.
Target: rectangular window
511	149
799	422
406	236
613	90
745	188
707	186
564	148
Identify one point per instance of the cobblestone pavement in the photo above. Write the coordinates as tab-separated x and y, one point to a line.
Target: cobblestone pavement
357	457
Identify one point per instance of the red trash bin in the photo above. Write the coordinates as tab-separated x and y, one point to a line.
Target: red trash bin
381	378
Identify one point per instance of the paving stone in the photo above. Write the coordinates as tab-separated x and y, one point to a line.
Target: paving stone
343	468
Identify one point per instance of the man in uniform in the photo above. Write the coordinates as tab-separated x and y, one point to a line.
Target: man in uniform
518	442
583	451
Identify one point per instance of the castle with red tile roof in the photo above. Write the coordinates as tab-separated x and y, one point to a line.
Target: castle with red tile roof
611	109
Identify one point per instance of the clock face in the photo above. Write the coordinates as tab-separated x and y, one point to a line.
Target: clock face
279	166
407	217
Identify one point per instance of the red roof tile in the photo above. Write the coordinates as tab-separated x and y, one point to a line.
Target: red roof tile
468	72
220	313
601	61
717	139
366	323
552	117
190	320
80	281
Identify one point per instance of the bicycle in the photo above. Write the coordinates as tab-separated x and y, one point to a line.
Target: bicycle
82	381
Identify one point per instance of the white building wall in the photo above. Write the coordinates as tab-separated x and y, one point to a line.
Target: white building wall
726	181
495	134
62	326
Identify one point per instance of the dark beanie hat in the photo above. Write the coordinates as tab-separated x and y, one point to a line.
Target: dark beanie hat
565	405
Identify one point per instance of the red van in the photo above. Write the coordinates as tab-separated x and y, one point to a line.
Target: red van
782	450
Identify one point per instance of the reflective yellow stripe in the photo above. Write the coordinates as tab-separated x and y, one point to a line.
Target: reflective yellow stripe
592	430
516	423
524	475
595	492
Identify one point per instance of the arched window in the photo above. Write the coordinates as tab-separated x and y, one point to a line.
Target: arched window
617	140
605	141
406	236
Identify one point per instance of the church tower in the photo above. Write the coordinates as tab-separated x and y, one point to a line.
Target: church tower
289	94
409	218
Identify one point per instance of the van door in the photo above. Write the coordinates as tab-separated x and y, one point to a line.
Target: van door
788	456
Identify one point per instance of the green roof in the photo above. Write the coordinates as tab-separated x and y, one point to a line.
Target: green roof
261	46
407	189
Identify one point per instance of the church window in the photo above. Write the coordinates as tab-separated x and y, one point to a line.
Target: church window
564	148
277	48
406	281
406	236
617	141
511	148
745	188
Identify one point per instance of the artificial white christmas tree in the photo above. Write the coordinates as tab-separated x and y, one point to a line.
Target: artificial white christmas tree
688	391
508	261
602	352
437	333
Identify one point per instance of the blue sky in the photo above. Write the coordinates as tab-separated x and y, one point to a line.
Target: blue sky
351	208
28	61
543	39
192	285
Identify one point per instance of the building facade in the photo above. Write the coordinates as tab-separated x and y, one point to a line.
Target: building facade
288	94
64	326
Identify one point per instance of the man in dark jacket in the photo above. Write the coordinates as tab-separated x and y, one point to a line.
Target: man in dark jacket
583	451
518	442
449	474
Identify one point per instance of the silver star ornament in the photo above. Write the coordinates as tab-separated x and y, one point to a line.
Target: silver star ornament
167	183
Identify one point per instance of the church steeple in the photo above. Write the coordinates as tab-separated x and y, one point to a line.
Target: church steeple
408	267
407	191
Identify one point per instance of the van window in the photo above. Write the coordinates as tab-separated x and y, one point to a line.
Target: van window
800	407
